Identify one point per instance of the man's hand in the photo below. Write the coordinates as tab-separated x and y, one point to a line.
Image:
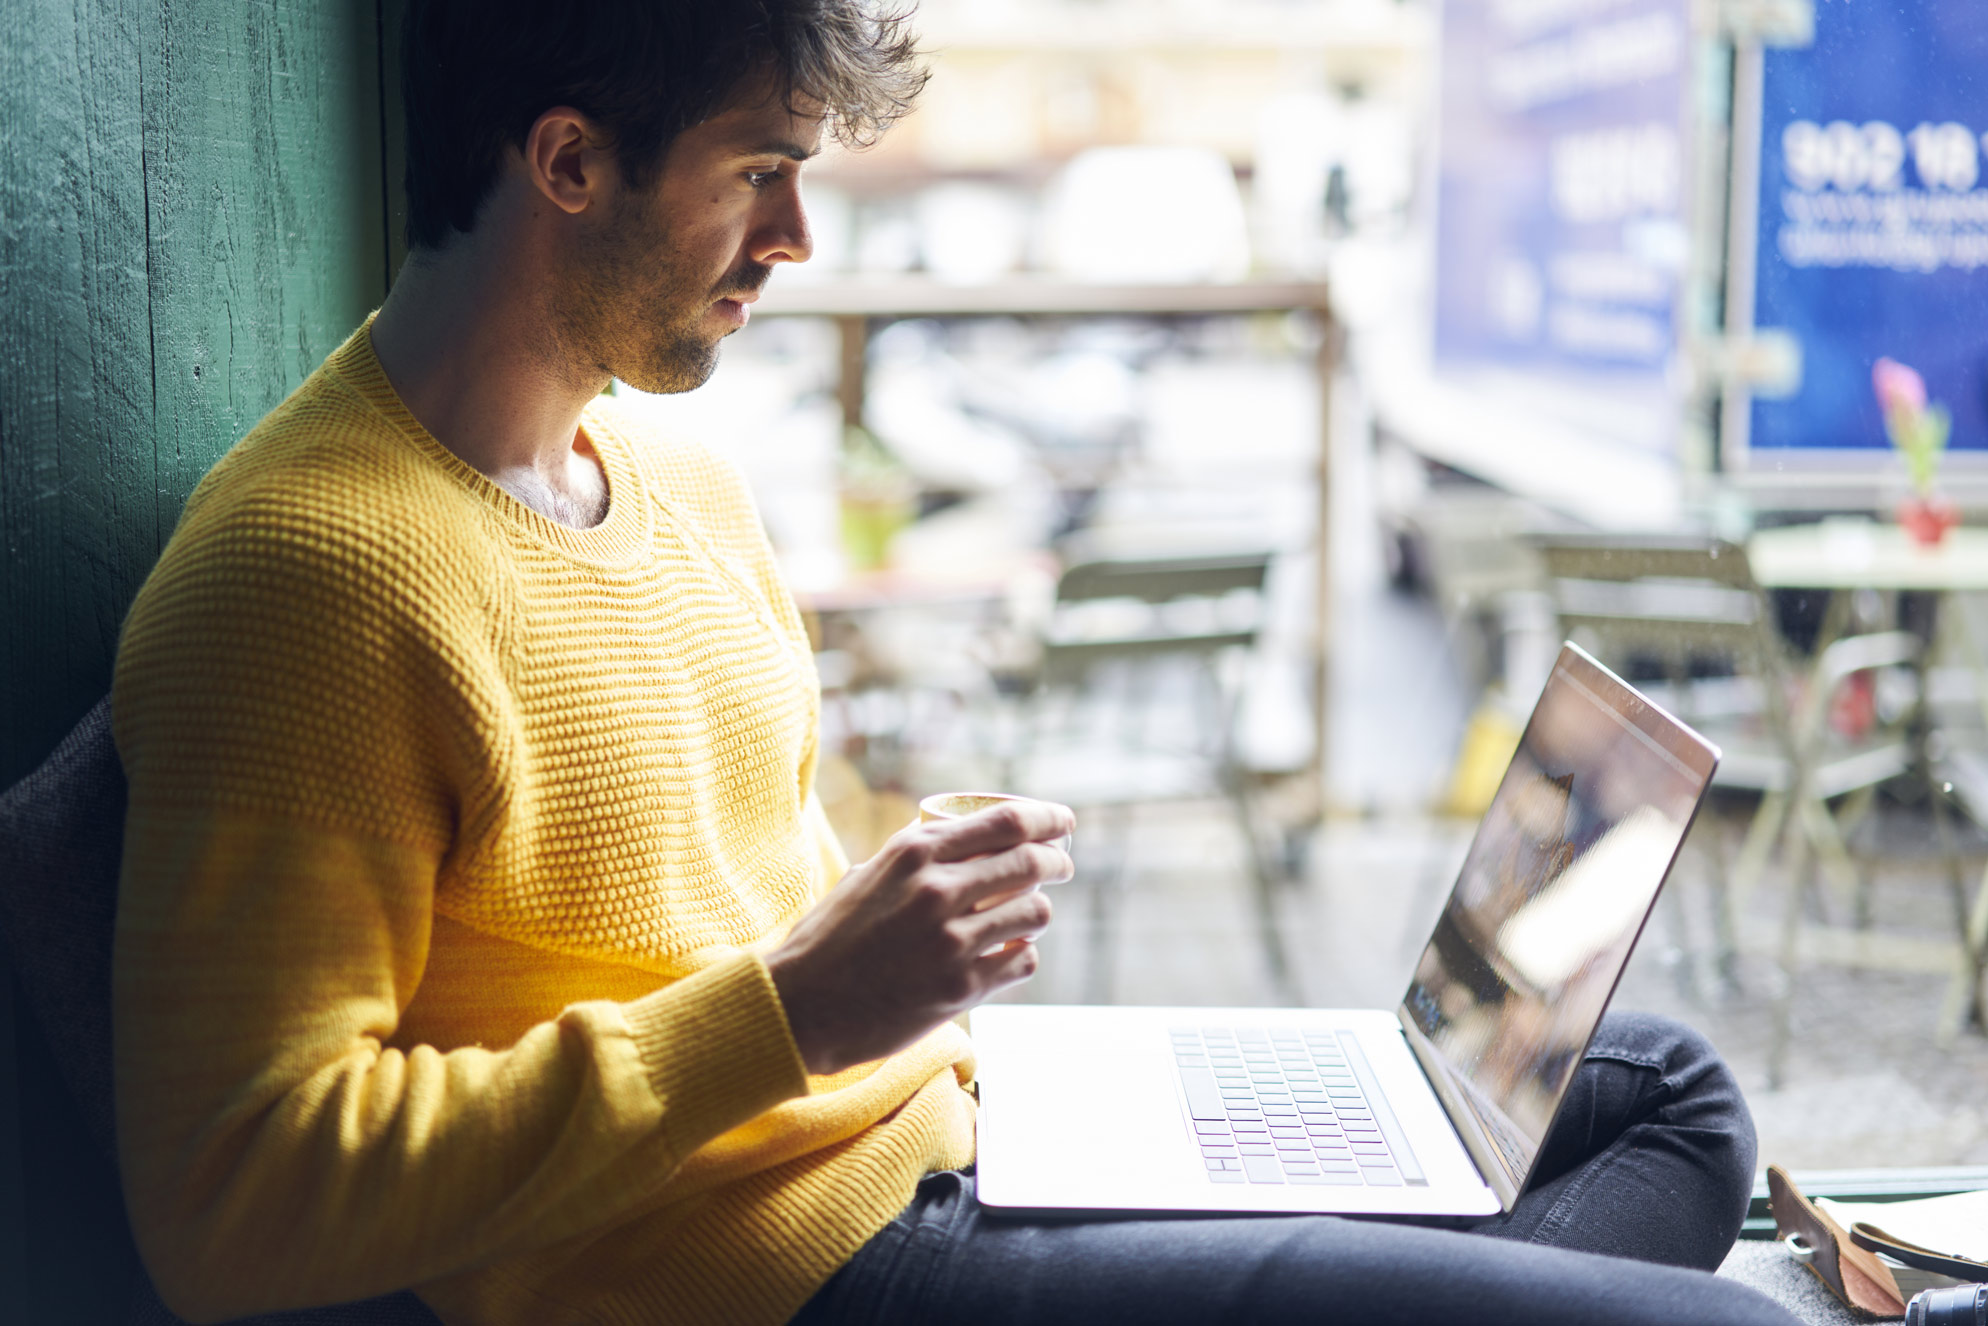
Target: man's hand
941	918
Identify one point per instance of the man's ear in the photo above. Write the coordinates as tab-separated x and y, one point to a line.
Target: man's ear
564	159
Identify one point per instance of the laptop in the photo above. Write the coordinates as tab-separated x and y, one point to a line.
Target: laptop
1437	1108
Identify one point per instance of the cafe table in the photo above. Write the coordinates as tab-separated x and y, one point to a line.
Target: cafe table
1845	556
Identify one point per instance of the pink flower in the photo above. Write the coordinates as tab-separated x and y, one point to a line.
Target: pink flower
1898	387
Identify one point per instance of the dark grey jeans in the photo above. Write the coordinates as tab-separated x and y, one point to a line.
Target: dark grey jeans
1640	1190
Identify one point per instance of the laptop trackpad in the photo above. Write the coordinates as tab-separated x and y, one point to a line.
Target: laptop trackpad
1088	1121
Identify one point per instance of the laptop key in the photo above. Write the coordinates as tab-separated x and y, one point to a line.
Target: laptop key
1214	1126
1382	1178
1328	1177
1228	1176
1203	1101
1263	1169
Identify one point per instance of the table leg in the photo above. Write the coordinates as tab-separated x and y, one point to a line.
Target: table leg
853	332
1963	1006
1326	366
1800	878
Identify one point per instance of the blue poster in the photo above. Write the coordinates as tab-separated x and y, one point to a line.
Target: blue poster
1561	243
1874	219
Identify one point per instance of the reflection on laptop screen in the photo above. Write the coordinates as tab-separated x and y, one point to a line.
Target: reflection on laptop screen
1563	871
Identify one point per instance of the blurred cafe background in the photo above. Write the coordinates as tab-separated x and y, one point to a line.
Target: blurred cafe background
1215	415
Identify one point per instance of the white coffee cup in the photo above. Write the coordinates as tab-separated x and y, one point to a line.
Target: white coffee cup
958	805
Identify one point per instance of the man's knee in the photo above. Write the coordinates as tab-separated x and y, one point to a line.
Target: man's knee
1652	1040
1697	1091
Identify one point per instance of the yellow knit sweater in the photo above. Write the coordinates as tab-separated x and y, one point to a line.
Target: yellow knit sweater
455	835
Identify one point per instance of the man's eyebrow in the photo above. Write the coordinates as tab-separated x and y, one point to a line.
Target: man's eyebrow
781	147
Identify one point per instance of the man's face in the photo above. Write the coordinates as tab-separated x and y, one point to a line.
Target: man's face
664	273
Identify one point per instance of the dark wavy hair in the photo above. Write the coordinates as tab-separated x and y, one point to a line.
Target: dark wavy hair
477	74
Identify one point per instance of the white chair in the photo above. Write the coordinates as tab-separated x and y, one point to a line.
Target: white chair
1095	735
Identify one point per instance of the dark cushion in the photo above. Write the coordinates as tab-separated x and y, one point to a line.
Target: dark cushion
62	834
61	837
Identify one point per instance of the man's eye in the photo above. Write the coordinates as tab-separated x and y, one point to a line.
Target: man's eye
759	179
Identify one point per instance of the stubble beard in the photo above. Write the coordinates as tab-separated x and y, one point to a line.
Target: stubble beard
640	309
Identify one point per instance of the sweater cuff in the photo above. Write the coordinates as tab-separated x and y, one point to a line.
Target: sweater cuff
717	1049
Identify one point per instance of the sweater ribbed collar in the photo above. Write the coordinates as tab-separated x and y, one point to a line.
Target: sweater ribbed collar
617	541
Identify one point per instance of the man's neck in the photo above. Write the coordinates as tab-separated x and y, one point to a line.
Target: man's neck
474	358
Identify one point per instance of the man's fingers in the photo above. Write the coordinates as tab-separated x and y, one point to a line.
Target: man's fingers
1008	965
999	828
1021	917
1023	867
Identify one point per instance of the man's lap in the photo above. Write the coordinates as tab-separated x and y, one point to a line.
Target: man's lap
946	1260
1651	1160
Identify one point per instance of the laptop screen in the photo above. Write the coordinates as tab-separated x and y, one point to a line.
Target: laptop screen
1556	887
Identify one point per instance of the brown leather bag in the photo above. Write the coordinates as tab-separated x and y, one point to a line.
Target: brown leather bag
1853	1274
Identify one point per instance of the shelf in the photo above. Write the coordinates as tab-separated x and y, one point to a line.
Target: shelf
1041	296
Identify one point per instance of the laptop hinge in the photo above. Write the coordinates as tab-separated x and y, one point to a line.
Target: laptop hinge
1483	1154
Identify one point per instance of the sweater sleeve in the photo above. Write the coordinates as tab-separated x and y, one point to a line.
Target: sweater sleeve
302	752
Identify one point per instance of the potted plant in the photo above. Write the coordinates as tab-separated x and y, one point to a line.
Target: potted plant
1920	433
878	499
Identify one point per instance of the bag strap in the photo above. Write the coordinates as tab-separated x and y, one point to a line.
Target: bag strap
1866	1235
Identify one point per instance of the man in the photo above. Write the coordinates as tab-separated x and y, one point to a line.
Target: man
479	930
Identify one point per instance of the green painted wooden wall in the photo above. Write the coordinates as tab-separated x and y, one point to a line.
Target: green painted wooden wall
192	214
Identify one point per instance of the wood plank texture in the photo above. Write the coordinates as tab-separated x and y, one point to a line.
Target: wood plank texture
192	216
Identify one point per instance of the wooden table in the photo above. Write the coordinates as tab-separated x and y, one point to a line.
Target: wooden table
1863	554
1848	555
859	308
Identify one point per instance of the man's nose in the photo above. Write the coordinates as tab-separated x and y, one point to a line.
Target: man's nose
785	236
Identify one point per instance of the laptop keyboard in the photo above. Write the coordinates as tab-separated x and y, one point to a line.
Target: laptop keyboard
1286	1105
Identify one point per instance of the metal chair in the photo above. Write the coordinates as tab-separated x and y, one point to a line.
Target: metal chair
1122	631
1678	600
